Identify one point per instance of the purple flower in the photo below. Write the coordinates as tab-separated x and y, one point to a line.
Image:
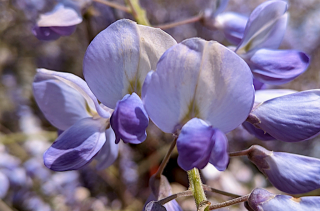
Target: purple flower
196	88
262	36
230	23
290	173
262	200
61	21
69	105
290	117
115	66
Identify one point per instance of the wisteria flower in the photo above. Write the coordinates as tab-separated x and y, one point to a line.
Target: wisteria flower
230	23
202	90
69	105
262	200
262	36
61	21
291	117
290	173
115	66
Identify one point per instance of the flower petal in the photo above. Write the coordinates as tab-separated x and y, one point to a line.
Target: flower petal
4	187
260	134
290	118
154	206
278	66
81	86
197	78
262	200
290	173
109	152
233	26
265	27
195	144
268	94
219	156
258	85
45	33
62	105
61	15
76	146
119	58
130	120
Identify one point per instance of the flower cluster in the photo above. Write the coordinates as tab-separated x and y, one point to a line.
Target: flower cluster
197	90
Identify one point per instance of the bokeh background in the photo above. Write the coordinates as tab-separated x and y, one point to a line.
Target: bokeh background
25	183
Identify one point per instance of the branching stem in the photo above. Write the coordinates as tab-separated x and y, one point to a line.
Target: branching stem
166	158
178	23
174	196
239	153
114	5
230	202
210	189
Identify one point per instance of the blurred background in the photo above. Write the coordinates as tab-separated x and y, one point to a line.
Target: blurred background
26	184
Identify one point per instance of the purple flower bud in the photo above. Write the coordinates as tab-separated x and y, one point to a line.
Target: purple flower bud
4	187
290	173
130	120
155	206
200	143
61	21
291	118
262	200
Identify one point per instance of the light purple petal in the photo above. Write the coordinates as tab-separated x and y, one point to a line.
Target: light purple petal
81	86
154	206
219	156
278	66
233	25
130	120
109	152
146	84
76	146
62	105
64	31
45	33
290	173
260	134
61	15
268	94
258	85
197	78
290	118
195	144
4	187
119	58
265	27
262	200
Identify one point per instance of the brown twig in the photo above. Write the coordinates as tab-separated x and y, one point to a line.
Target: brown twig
178	23
114	5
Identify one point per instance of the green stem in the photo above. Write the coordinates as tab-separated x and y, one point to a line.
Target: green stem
114	5
197	189
138	12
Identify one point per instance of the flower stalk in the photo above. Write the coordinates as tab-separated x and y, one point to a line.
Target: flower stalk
197	189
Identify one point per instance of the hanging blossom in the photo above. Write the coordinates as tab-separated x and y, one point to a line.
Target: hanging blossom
115	65
262	200
69	105
61	21
290	173
285	115
262	36
230	23
200	90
